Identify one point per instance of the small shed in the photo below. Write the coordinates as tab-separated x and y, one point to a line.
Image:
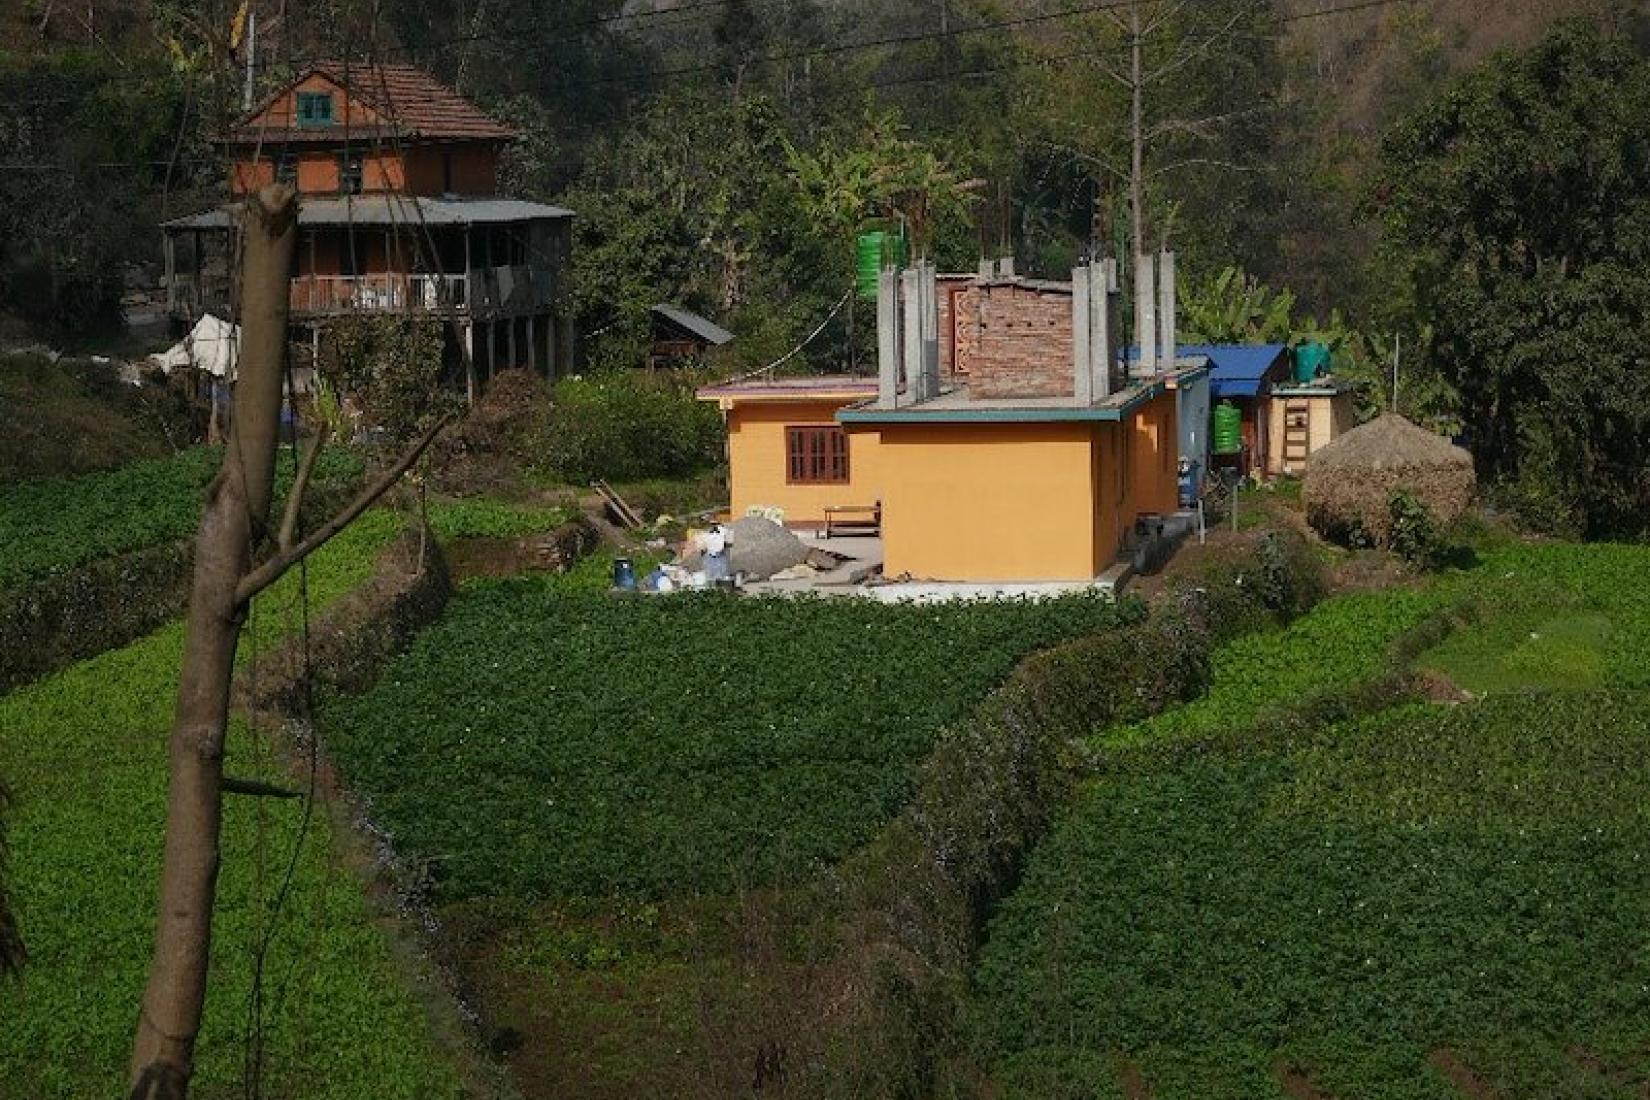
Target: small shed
680	335
1350	482
1243	375
1303	418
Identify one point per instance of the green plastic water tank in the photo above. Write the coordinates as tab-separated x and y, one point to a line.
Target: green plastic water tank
875	250
1227	435
1311	360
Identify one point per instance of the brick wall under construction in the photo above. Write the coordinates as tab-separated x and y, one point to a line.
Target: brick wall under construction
1023	343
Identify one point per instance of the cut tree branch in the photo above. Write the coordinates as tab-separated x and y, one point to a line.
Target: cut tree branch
1193	54
271	571
1087	158
1191	162
295	497
1163	16
1198	127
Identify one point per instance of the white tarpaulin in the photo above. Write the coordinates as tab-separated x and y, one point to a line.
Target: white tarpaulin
212	346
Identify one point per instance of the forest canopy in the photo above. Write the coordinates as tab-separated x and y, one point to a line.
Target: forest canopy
1377	176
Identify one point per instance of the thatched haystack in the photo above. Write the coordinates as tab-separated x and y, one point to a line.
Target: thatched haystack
1350	482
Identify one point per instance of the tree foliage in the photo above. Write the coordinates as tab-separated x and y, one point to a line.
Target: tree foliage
1516	207
87	150
390	368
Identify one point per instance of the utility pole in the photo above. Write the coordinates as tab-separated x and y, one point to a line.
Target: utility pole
251	56
945	36
1137	136
1397	342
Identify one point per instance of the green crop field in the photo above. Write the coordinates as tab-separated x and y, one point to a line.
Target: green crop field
84	751
545	740
483	517
1381	907
1344	640
55	524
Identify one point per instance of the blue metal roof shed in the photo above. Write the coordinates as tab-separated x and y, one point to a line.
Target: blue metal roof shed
1236	370
1240	370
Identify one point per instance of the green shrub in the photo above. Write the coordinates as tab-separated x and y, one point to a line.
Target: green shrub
626	426
1412	533
390	366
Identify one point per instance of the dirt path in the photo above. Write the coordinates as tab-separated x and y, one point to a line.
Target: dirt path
1135	1086
1459	1074
1297	1084
1626	1078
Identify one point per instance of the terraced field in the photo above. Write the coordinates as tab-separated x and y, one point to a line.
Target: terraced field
547	741
84	752
1426	901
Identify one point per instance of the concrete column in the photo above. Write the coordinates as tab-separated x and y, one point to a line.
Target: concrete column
1166	325
492	350
910	291
510	338
888	337
1103	301
1145	312
928	367
532	343
1082	369
1099	300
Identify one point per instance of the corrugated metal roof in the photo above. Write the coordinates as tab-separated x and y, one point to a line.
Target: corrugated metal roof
1238	370
702	327
392	210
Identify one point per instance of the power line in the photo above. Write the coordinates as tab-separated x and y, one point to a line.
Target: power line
1032	61
440	45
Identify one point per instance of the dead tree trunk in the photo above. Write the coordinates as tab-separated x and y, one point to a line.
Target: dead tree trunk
234	522
236	513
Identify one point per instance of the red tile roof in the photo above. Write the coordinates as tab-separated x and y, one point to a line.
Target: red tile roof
413	101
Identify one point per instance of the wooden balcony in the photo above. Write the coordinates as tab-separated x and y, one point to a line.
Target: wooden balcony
485	292
381	292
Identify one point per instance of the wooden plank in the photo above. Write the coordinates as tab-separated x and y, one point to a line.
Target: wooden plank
616	504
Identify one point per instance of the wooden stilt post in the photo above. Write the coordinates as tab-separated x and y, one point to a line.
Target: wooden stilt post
470	361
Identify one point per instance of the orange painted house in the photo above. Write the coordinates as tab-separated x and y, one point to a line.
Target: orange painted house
1002	437
789	451
399	210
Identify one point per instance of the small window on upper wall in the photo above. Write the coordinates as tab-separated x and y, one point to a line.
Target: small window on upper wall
286	169
314	109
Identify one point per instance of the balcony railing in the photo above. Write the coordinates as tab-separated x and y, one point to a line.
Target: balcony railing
378	292
484	291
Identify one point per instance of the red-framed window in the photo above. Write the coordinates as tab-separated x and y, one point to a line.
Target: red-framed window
816	455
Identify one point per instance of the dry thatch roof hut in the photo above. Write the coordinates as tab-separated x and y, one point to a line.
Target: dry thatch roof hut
1350	482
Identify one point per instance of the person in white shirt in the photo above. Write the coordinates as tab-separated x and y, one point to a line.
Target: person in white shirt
715	545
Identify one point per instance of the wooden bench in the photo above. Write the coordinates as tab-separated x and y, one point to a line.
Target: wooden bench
853	519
